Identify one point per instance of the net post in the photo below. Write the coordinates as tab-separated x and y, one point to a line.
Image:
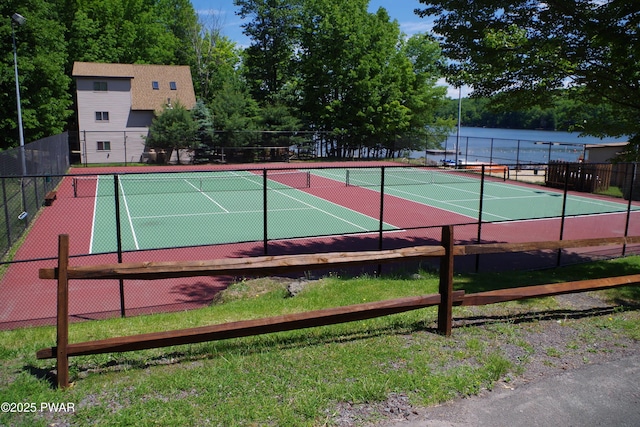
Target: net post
62	318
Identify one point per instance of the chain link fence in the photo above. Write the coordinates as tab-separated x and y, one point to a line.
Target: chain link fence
221	212
28	174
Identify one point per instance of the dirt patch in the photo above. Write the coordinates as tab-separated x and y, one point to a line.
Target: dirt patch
547	343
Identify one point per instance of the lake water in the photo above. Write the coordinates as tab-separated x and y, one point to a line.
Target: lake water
511	146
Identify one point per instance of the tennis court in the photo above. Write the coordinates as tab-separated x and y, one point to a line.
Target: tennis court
166	210
457	191
178	210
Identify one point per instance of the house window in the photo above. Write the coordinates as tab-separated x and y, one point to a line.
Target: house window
155	85
104	145
173	86
100	86
102	116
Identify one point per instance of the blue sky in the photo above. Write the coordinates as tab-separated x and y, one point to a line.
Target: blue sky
224	11
223	14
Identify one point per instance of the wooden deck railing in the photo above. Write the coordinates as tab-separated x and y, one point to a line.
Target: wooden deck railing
445	299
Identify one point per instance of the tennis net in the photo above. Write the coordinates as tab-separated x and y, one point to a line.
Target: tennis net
410	176
103	185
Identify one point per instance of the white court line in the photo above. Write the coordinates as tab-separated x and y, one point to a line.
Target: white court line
220	213
431	199
95	210
126	206
532	194
322	210
206	195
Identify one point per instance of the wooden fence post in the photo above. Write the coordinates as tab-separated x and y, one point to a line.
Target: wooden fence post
445	309
63	312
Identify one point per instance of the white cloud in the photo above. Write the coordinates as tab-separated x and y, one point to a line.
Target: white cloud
412	27
454	92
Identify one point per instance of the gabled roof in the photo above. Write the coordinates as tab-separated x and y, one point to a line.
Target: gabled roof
143	94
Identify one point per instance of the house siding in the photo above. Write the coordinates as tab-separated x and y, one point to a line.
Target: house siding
130	103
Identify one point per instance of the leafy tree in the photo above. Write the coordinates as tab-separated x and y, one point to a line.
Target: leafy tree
274	35
521	53
173	129
217	60
44	86
279	126
235	114
341	72
423	96
132	31
361	81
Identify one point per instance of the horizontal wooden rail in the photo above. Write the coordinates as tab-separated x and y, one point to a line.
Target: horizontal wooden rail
246	328
495	248
537	291
265	265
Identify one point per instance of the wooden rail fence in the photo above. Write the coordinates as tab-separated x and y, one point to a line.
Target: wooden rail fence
585	177
445	299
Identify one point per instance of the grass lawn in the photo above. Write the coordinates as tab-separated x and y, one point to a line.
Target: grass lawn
315	377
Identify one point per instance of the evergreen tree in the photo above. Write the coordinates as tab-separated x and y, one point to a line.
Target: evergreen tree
173	130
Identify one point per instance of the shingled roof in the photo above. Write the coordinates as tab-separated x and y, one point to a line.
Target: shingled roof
143	94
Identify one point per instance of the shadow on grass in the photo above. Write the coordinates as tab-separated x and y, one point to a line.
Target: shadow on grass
42	374
292	341
597	270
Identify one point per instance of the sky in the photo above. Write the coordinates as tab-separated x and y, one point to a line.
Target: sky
223	13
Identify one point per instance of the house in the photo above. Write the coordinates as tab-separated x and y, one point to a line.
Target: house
604	153
116	104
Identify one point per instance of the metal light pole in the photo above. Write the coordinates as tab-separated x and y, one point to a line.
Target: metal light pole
20	20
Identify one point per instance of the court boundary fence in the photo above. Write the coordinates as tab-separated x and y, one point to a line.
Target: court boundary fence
21	206
29	173
445	299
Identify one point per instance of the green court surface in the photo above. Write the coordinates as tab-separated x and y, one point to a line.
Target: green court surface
177	210
458	191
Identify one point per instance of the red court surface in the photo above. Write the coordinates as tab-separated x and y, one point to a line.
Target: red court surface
26	300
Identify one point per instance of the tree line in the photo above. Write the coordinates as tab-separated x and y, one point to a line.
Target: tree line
563	115
336	71
577	61
332	68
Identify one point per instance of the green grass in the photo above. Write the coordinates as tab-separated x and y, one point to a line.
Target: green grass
299	378
612	191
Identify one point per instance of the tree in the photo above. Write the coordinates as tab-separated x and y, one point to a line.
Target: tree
522	53
362	81
280	126
422	94
132	31
216	58
344	51
173	129
235	114
204	123
270	58
44	85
